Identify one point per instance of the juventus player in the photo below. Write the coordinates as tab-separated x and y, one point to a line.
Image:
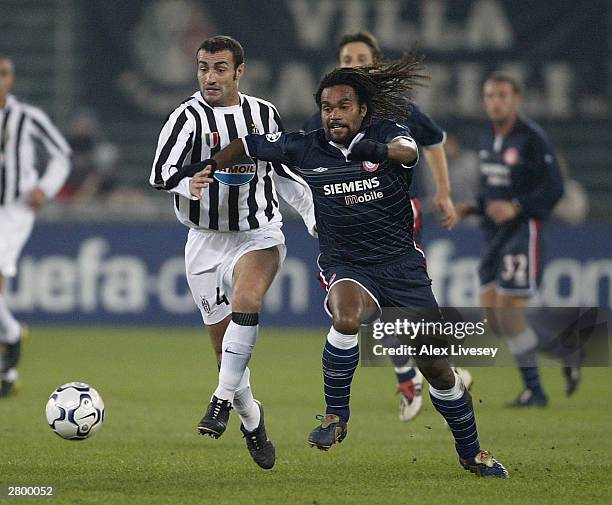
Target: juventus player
22	192
235	245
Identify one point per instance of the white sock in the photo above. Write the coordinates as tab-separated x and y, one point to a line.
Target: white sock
245	405
524	342
11	375
238	344
10	329
453	393
340	340
403	369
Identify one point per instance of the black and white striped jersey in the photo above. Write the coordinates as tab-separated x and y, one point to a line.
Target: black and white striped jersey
243	197
22	126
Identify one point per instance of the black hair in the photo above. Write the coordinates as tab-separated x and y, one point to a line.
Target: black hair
367	38
221	43
500	76
385	90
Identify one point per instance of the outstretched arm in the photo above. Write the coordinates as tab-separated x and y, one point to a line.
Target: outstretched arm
401	149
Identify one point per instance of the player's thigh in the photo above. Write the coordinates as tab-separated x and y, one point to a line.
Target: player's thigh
16	223
518	273
253	274
252	265
406	284
205	253
350	305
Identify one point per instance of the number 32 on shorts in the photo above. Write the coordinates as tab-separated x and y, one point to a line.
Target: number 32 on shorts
514	267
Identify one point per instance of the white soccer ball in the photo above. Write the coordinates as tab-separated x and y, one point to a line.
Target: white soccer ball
75	411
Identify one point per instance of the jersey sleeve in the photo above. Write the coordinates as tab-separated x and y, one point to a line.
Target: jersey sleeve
294	190
285	148
424	130
390	130
548	189
174	144
58	165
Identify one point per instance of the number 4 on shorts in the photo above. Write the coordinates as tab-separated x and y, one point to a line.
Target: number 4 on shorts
221	298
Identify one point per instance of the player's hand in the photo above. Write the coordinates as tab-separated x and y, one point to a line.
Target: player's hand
201	180
444	205
36	198
501	211
465	209
369	150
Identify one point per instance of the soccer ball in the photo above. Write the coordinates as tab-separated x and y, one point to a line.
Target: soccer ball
75	411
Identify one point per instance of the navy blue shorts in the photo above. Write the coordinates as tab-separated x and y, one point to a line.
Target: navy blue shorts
511	262
404	283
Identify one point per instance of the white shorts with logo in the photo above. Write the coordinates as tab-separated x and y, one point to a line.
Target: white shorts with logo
16	222
210	257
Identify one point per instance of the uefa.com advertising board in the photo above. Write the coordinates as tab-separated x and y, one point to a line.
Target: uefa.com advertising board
134	273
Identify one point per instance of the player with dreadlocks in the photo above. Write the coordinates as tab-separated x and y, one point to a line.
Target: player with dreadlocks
359	168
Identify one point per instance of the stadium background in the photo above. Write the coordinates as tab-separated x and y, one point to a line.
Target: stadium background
116	255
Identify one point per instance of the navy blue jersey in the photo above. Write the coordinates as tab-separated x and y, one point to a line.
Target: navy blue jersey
424	130
521	166
362	209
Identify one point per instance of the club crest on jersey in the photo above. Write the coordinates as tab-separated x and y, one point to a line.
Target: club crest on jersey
238	174
211	139
368	166
511	156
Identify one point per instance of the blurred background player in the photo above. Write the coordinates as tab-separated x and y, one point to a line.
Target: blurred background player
362	49
22	192
235	244
95	161
359	168
519	186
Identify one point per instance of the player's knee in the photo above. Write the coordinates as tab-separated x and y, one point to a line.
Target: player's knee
437	372
346	323
246	302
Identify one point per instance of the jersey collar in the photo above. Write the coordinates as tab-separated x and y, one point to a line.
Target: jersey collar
347	150
10	101
230	108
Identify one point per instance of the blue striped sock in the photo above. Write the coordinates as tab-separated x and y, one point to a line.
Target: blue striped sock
338	369
405	374
459	415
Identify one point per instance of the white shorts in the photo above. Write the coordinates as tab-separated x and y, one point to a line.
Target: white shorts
16	222
210	257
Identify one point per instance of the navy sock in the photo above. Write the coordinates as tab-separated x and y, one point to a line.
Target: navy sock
405	376
459	414
338	369
401	363
528	367
531	379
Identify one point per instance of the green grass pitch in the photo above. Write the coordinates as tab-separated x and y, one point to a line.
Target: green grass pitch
157	382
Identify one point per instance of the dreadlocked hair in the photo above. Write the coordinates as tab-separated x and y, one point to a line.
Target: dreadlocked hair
386	89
